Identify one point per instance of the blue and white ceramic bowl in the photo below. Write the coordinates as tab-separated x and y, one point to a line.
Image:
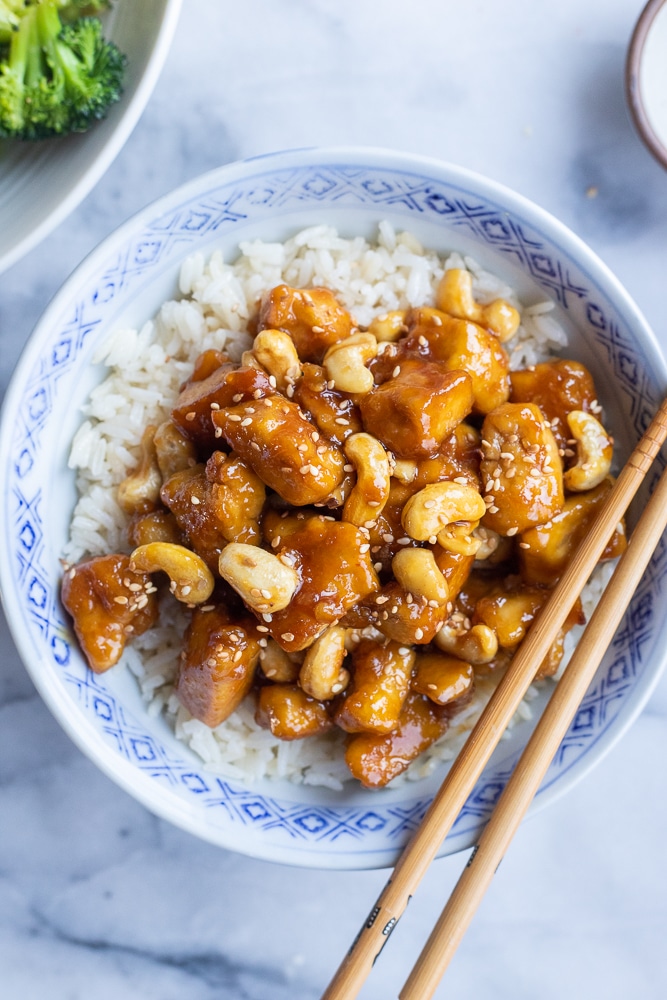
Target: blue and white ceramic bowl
122	283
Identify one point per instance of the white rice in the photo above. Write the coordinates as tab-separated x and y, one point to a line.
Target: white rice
146	368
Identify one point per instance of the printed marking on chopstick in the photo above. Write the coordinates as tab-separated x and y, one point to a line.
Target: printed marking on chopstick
472	856
372	917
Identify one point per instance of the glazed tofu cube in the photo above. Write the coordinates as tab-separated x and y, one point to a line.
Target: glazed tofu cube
414	411
218	664
314	319
522	473
276	439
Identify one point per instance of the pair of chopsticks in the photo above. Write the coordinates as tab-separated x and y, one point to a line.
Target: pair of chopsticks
533	764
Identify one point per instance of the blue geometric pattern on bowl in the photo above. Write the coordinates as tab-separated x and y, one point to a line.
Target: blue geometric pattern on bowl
189	223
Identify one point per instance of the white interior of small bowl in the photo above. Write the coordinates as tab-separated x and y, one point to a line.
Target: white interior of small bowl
42	182
122	284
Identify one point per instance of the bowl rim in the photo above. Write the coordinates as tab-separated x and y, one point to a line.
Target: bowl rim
113	765
114	143
633	88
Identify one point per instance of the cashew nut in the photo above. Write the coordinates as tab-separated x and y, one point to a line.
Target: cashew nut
388	326
345	363
140	491
454	296
445	512
594	452
490	541
476	645
264	582
371	490
322	674
277	664
405	470
417	572
248	360
174	452
191	580
275	351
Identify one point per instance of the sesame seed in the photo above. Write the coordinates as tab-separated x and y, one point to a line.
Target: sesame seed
185	590
287	636
246	422
215	406
429	504
436	320
422	341
524	545
336	688
419	633
304	469
235	418
218	432
237	655
266	593
377	566
461	480
404	541
388	538
494	509
267	618
211	662
302	447
256	592
382	599
121	600
257	394
396	372
317	329
432	687
195	500
191	415
331	384
207	607
262	628
343	421
364	548
512	531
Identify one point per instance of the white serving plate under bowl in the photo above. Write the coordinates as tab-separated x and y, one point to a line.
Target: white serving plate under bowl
122	283
42	182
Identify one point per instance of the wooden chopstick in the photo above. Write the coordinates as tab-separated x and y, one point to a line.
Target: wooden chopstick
473	757
539	752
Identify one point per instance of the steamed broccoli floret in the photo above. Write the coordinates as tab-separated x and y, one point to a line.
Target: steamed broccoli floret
11	12
57	79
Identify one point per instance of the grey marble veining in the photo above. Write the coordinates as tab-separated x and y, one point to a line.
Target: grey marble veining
98	898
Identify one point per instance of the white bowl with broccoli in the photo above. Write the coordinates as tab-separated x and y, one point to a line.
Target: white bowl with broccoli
71	91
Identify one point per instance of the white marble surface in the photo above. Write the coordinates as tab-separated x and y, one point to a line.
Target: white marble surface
99	899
